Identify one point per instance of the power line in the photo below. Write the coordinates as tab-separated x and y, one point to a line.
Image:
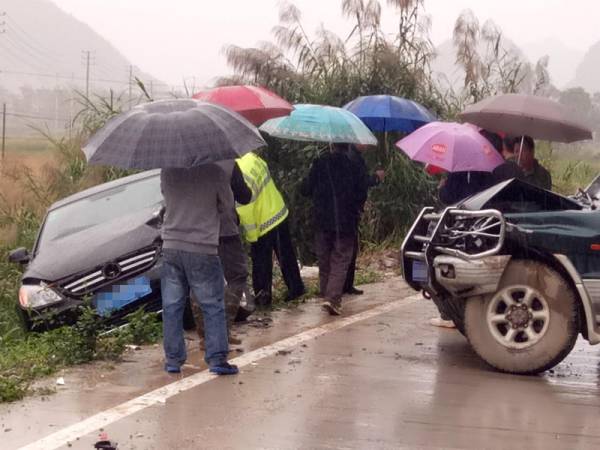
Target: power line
18	28
34	117
31	49
27	53
64	77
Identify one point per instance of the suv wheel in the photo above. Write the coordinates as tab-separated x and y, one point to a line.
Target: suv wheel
529	325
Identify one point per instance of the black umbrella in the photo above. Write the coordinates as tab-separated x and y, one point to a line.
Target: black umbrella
179	133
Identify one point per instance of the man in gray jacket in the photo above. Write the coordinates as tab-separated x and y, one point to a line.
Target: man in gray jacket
194	199
232	254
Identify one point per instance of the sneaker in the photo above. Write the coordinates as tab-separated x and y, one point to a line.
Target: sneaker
172	369
354	291
335	309
224	369
439	322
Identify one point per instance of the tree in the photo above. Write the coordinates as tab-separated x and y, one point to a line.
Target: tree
491	67
324	68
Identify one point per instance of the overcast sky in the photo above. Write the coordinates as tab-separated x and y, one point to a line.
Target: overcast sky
172	39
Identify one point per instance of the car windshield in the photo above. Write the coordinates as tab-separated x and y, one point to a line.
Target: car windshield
100	208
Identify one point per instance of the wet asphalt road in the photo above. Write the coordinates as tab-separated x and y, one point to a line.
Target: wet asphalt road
389	382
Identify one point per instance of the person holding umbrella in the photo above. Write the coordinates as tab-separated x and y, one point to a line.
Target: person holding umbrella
368	182
184	138
232	255
338	192
531	117
533	172
459	185
509	168
333	184
381	114
256	104
459	149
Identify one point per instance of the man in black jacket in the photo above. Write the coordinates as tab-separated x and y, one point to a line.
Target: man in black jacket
509	169
368	181
338	193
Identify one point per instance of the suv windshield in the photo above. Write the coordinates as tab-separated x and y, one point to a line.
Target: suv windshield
100	208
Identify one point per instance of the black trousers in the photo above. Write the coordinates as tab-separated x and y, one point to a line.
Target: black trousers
277	240
349	284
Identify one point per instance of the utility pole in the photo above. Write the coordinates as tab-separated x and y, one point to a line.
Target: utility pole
3	130
87	62
87	73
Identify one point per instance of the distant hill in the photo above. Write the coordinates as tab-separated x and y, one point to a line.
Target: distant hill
563	59
587	73
43	47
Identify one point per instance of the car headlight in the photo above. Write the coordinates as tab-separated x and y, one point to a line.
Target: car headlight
37	295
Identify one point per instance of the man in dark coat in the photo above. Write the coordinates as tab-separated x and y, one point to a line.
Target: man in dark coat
534	172
338	194
368	181
509	169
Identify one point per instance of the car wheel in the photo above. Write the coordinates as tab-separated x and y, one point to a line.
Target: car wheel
529	325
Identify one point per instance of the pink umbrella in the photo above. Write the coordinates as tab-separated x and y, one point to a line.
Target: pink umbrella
454	147
254	103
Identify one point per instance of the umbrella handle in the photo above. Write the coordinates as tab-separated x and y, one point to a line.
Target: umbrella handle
520	150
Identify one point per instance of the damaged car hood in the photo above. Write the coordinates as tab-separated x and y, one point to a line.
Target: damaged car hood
101	243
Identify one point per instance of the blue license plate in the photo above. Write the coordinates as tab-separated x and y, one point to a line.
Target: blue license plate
419	272
122	294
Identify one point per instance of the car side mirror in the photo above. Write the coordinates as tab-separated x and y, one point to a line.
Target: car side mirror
157	218
19	256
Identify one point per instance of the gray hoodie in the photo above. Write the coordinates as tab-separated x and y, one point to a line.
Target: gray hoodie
194	198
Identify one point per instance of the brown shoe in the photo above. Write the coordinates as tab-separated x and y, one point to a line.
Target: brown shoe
234	341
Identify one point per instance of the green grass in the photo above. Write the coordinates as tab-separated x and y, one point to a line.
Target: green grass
26	358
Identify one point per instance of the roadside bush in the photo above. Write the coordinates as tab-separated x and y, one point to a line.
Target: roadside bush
142	328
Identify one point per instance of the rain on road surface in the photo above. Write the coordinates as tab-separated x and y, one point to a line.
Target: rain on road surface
389	381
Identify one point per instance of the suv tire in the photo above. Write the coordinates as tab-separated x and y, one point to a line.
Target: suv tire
529	325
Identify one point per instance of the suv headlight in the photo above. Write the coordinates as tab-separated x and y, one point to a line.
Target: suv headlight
37	296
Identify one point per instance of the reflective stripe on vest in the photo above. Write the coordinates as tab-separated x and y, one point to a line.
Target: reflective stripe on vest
282	214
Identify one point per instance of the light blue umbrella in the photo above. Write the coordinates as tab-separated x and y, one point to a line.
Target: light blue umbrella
318	123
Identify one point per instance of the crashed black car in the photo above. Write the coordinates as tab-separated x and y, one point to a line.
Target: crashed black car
101	246
516	267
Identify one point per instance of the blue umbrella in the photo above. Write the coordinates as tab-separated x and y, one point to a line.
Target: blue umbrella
320	124
385	113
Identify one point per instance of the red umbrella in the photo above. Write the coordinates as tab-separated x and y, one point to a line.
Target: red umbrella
254	103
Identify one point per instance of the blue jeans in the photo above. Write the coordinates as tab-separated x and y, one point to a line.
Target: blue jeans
203	275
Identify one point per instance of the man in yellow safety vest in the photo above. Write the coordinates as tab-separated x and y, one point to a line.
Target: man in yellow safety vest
264	224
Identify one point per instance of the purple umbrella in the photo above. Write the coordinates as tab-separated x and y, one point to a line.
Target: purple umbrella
452	146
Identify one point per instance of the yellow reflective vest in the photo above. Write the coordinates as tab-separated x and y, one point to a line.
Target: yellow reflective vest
267	209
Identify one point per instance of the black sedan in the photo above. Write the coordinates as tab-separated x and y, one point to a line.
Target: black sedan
101	246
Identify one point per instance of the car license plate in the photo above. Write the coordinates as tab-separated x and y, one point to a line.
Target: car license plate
419	272
119	295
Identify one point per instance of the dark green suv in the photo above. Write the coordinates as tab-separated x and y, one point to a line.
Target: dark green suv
517	268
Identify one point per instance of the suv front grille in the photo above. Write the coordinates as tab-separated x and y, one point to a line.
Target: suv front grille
124	267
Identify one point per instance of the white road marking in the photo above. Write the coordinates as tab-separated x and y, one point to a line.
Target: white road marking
161	395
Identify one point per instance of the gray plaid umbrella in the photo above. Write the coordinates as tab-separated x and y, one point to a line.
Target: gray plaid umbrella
178	133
